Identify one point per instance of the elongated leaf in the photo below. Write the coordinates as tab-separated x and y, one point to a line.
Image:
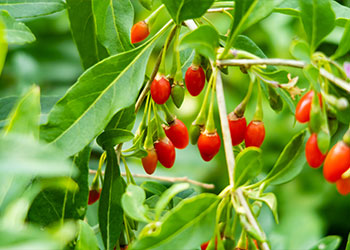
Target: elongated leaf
348	243
83	30
71	205
124	119
110	211
3	45
16	32
114	19
99	93
318	20
344	45
86	237
182	10
31	8
112	137
286	159
24	118
188	225
153	187
248	165
205	40
327	243
133	203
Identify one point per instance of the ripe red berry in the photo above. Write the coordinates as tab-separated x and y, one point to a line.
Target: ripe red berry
302	111
343	186
195	80
94	195
313	154
238	127
255	134
208	145
165	152
177	133
160	90
149	162
337	162
139	32
204	245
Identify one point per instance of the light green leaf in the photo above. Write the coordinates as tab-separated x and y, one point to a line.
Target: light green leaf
248	165
300	50
270	200
112	137
82	26
205	40
344	45
16	32
31	8
133	203
153	187
318	20
148	4
348	244
113	21
3	45
186	226
86	237
103	90
182	10
327	243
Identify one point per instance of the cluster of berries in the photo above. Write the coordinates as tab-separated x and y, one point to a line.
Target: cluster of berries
337	160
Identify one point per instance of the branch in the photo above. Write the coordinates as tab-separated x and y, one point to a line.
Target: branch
284	62
218	10
167	179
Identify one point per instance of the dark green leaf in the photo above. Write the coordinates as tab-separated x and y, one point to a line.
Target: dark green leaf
348	244
205	40
318	20
133	203
99	93
86	237
3	45
153	187
248	165
186	226
31	8
328	243
112	137
124	119
284	164
110	212
113	20
182	10
16	32
83	30
344	45
274	98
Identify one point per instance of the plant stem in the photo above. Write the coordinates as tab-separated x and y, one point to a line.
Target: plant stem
167	179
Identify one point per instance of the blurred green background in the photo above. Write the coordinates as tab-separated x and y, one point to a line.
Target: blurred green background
309	207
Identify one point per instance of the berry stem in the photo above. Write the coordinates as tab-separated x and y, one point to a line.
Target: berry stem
197	60
149	138
142	125
169	117
201	117
160	132
149	20
258	116
129	177
210	126
346	137
162	68
240	109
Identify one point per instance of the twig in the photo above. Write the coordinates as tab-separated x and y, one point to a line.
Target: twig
216	10
167	179
250	217
284	62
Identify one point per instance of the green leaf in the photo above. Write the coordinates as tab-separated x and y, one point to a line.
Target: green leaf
327	243
348	244
344	45
270	200
274	98
318	20
147	4
3	45
86	237
16	32
103	90
167	195
31	8
110	212
133	203
112	137
82	26
248	165
24	118
182	10
205	40
300	50
312	74
124	119
153	187
186	226
284	163
113	20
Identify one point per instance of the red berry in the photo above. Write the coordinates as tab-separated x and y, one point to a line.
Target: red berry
204	245
302	111
238	127
313	154
343	186
255	134
160	90
165	152
149	162
94	195
208	145
177	133
337	162
195	80
139	32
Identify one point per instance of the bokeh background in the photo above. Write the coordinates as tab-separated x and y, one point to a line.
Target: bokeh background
308	206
